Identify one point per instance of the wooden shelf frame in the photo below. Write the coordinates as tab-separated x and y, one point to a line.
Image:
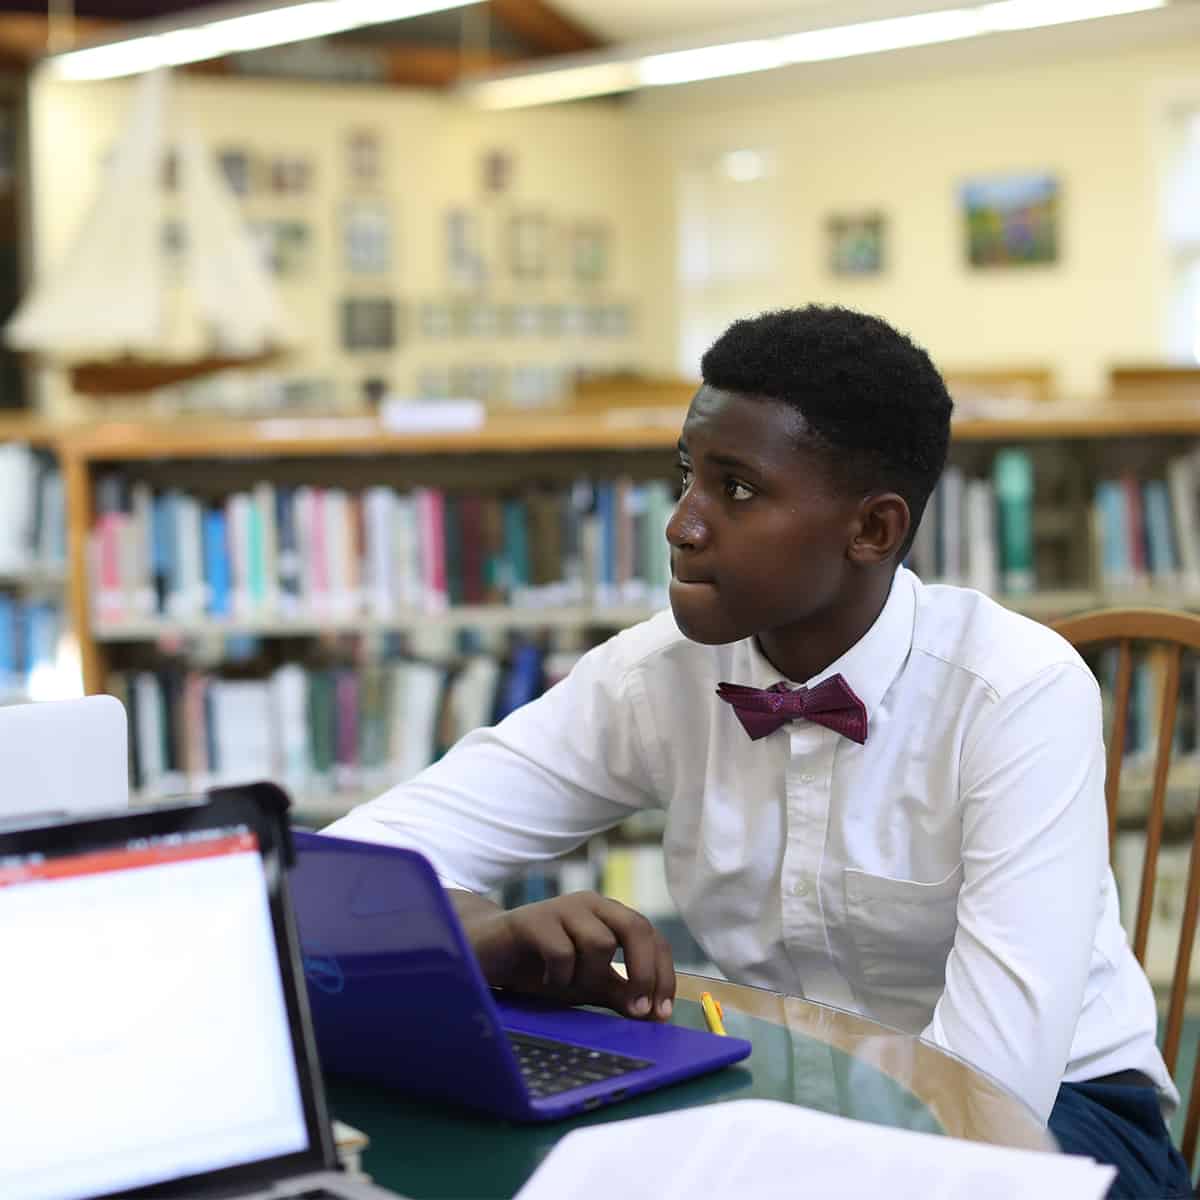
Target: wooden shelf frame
559	432
85	449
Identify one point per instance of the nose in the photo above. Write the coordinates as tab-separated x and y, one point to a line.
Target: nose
687	530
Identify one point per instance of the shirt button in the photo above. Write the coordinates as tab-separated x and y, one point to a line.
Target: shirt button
801	887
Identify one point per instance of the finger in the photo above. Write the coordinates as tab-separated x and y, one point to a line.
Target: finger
595	980
639	942
546	937
595	942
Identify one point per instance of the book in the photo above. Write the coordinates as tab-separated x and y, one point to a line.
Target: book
979	526
951	558
1161	558
216	563
521	681
1115	569
1014	483
1182	486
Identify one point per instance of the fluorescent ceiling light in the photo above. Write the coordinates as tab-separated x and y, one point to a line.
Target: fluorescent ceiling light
236	35
601	77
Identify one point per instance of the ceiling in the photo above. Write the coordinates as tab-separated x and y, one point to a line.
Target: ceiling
439	49
612	20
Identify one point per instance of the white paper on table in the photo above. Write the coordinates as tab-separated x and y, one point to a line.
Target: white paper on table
766	1149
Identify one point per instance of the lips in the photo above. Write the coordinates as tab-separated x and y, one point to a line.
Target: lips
694	581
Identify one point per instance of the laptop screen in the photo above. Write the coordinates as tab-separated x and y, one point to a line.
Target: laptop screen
149	1036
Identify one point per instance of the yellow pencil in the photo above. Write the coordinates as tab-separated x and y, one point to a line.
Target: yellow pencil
712	1013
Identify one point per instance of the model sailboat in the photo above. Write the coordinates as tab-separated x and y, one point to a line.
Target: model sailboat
115	313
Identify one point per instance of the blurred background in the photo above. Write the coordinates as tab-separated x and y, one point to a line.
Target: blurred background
346	342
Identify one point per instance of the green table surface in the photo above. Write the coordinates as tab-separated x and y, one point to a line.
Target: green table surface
425	1149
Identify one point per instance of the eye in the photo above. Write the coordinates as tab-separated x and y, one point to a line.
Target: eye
736	490
685	474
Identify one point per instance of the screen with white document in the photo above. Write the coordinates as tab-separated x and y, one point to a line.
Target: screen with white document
144	1032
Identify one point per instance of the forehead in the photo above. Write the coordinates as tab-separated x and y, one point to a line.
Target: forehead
752	428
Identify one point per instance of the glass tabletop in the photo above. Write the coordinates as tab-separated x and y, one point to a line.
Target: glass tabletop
804	1053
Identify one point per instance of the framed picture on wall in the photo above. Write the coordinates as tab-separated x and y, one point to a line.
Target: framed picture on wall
366	237
290	175
437	319
364	158
1011	220
528	245
496	171
589	252
368	323
465	262
285	246
236	167
856	243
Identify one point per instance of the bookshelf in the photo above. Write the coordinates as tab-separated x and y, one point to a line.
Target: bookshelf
1070	448
506	448
37	658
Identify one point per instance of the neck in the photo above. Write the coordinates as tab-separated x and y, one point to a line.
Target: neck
798	652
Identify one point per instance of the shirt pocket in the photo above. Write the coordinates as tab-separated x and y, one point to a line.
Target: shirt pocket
902	932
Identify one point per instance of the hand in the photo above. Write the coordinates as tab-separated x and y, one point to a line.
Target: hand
563	949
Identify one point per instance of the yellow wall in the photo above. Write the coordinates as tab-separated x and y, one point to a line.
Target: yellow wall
902	146
883	139
570	164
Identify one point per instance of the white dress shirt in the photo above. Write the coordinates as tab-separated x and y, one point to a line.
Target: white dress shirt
948	878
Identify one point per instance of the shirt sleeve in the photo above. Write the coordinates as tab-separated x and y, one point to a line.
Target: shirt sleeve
1034	837
568	765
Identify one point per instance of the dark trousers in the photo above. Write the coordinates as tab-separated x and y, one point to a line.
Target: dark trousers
1118	1121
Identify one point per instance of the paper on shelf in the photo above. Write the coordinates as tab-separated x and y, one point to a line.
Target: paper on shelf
768	1150
434	416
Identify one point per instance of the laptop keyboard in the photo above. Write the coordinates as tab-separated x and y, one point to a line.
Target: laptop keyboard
551	1067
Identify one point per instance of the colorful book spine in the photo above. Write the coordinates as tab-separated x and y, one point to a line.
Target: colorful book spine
216	563
1014	483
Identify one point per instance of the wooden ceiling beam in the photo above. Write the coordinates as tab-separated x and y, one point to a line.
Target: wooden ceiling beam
439	66
416	65
544	27
25	36
23	39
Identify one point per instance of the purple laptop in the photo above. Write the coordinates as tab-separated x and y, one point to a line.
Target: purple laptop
398	999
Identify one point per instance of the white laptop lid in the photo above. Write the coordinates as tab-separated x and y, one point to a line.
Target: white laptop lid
63	756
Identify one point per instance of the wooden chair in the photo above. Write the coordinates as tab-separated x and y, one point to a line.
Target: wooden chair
1176	632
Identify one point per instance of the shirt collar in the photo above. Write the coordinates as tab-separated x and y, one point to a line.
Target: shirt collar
873	662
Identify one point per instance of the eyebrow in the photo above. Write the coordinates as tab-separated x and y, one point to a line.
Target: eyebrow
722	460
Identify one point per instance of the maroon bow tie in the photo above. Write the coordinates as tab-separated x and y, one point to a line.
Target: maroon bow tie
831	703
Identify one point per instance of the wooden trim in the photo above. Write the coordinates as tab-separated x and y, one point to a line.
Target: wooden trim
1154	822
24	37
440	66
1116	739
77	486
1155	384
46	435
117	441
544	27
1183	965
639	427
966	1102
1142	624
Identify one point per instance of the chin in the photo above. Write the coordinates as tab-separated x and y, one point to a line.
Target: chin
702	623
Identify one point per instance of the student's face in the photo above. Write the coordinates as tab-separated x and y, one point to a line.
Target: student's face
759	538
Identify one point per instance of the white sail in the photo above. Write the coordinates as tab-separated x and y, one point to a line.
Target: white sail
113	299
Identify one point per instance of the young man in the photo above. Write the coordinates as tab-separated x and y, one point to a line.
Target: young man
916	832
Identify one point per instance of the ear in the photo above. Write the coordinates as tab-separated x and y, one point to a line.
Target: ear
883	524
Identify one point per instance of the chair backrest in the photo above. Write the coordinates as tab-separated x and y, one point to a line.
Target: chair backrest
1174	632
